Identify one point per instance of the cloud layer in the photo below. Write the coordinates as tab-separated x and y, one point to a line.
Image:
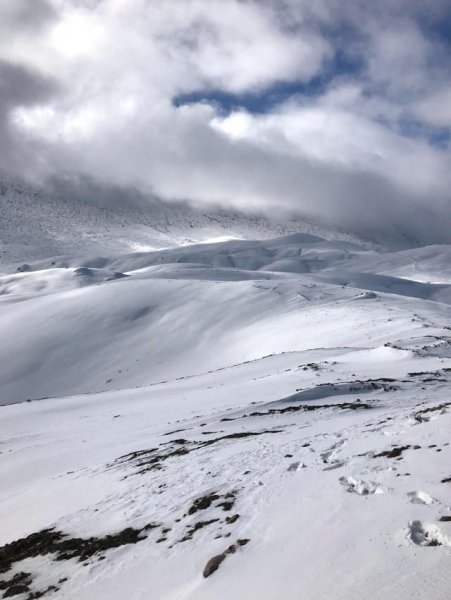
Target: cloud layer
337	109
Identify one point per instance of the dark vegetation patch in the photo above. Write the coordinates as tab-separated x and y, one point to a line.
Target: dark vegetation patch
313	366
51	541
229	501
163	537
358	405
19	584
240	435
199	525
203	503
227	505
61	547
172	432
359	385
41	593
137	454
383	383
430	409
431	375
396	451
424	373
152	459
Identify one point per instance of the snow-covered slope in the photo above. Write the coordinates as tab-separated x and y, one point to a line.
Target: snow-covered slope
250	419
79	218
430	264
141	318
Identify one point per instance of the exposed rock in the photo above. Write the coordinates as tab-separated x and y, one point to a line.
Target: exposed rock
214	562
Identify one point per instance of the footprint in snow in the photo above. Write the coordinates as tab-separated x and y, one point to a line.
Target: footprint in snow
335	464
295	466
427	534
358	486
419	497
330	455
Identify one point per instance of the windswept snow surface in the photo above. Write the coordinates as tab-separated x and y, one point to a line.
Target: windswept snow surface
245	419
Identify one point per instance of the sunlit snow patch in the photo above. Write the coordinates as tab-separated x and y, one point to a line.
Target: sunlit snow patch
220	238
379	354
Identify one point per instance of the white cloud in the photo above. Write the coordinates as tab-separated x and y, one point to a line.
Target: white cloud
341	149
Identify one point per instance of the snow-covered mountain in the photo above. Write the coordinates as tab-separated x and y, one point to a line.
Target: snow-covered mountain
251	419
80	218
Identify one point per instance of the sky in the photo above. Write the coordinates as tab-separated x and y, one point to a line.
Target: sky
332	108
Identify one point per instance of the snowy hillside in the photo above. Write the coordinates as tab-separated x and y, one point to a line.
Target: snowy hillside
247	419
81	218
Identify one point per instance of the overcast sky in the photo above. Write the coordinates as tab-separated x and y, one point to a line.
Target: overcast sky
340	108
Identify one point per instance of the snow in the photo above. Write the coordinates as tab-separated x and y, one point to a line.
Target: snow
299	383
82	219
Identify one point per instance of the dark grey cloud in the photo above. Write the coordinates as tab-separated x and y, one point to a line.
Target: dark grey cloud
26	15
20	87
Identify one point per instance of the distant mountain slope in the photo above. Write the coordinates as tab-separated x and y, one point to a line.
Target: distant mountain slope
103	323
430	264
79	219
